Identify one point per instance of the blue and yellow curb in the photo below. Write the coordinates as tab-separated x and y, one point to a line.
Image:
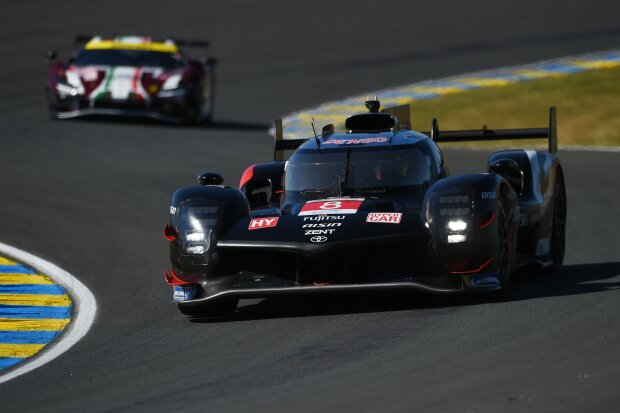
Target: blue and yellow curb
297	125
34	311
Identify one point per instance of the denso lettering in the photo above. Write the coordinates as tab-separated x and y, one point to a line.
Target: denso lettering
354	141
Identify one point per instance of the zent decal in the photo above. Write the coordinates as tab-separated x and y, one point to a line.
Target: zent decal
332	206
261	223
384	217
319	231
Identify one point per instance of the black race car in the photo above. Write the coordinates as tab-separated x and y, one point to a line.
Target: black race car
373	208
132	76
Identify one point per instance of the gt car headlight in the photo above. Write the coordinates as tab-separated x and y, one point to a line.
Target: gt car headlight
172	82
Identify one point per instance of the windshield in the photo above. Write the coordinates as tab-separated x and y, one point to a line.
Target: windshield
115	57
313	174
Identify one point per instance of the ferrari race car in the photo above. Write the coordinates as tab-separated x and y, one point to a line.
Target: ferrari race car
372	208
133	77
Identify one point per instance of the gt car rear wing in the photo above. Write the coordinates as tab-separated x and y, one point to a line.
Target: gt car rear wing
550	133
193	43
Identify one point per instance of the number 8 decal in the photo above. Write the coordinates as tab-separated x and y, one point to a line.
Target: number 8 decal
331	205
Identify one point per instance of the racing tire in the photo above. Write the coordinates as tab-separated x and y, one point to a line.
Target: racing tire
558	225
503	250
219	308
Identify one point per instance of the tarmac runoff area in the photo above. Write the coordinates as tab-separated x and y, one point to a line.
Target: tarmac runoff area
39	320
297	125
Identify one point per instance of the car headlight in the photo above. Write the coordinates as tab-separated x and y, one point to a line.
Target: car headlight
172	82
197	222
452	215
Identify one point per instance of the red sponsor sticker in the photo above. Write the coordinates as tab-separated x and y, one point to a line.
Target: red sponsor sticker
260	223
332	206
384	217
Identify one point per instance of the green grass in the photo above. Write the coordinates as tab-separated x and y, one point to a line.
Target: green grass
588	108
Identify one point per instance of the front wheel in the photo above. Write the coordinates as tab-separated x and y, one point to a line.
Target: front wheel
219	308
503	249
558	225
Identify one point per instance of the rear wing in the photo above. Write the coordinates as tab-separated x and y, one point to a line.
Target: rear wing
82	38
191	43
550	133
280	145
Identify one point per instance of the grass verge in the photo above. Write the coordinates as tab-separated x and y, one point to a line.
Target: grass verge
588	108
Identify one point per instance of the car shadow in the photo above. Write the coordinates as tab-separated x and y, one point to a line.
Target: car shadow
526	284
217	124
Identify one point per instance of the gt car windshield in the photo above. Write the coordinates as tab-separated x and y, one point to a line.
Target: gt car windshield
314	174
114	57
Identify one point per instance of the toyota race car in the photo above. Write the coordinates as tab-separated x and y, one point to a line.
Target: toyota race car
369	209
133	77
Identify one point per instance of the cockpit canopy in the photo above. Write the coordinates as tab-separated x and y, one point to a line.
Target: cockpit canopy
312	174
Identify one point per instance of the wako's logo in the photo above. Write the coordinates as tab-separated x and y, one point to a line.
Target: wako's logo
318	239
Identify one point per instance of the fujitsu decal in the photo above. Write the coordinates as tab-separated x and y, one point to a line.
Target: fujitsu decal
354	141
331	206
261	223
325	218
384	217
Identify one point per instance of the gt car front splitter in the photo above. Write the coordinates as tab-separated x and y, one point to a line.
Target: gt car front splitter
130	113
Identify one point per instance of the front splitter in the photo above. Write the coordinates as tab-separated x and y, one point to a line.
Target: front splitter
268	292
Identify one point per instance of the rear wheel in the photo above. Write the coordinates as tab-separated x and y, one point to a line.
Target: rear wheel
558	226
219	308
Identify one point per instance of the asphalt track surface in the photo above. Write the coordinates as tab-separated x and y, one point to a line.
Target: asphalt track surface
91	196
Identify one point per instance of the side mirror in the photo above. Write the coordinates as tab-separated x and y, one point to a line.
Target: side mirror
210	178
328	130
259	192
509	170
209	61
51	55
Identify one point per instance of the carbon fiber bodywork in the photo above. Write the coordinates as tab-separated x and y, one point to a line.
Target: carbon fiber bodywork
457	234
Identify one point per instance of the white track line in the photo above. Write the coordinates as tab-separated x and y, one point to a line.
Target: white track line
84	310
